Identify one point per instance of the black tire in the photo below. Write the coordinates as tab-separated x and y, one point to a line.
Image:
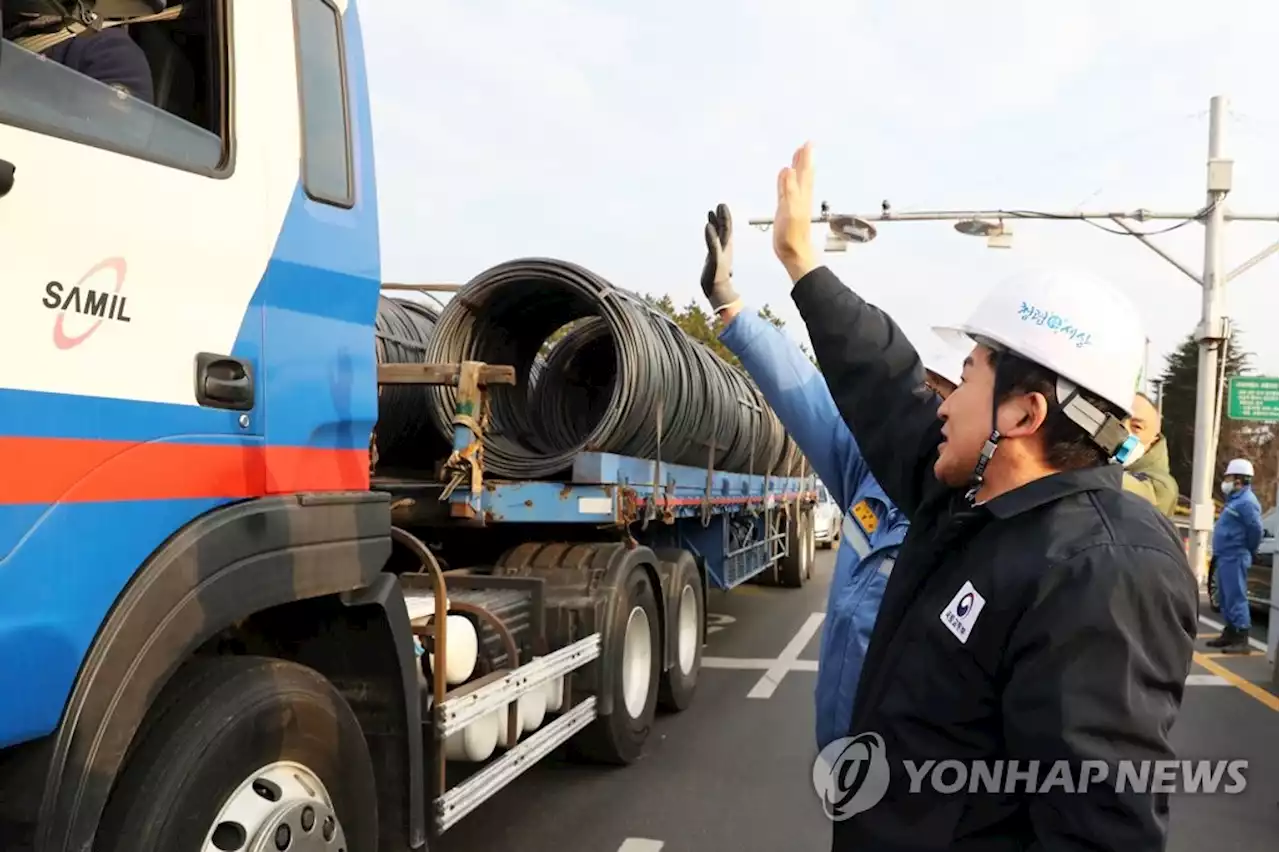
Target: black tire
619	738
217	723
677	685
797	565
1211	588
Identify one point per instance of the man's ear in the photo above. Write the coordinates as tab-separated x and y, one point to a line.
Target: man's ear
1023	414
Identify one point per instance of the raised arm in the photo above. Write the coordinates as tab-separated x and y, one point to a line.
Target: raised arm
872	370
796	392
877	381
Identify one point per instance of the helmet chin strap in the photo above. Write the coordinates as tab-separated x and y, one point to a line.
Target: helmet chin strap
989	448
1104	429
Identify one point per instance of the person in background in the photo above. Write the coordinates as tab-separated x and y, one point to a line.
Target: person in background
1236	535
873	526
942	374
1146	473
109	56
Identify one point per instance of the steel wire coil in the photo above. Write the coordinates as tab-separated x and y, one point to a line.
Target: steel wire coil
405	436
624	380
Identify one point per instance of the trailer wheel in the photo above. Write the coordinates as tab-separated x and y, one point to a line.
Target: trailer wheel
634	646
245	753
675	692
797	565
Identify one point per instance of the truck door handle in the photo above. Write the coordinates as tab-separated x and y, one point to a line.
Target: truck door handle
223	382
6	177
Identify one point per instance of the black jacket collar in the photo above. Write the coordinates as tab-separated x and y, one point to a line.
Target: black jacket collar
1053	487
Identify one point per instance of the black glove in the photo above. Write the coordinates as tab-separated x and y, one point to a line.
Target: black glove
717	272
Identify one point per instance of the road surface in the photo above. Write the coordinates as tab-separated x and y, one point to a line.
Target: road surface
733	772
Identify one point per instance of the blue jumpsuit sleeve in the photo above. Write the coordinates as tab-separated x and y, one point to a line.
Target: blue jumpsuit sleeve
1251	518
798	394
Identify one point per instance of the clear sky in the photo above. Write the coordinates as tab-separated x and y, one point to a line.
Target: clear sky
601	131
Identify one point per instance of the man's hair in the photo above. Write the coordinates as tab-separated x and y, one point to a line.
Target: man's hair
1066	445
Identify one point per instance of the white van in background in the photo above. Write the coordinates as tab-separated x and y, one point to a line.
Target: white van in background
827	517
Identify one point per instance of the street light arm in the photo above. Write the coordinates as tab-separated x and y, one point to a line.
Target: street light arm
1139	215
1186	270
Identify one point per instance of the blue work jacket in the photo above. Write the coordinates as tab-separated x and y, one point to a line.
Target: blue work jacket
873	527
1238	531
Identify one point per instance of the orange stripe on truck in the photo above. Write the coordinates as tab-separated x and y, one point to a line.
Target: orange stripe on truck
73	470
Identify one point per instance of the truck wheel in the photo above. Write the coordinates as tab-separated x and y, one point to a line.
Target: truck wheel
635	648
796	566
675	691
245	753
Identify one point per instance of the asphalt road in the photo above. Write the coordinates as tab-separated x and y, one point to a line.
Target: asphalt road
733	771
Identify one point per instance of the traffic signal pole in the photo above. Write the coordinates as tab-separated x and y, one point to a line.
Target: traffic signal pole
1212	332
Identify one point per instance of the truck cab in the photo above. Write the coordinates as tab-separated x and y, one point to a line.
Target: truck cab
186	368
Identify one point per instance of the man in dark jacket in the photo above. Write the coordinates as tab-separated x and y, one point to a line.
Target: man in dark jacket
1035	613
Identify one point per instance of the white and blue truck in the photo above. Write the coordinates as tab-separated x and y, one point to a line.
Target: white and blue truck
225	624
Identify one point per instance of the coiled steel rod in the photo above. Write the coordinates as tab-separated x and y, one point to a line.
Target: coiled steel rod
624	379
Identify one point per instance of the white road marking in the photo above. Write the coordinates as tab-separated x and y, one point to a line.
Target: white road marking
717	622
756	664
641	844
790	655
1255	644
1206	680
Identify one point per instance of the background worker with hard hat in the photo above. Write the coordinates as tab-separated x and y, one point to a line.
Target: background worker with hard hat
1236	535
873	527
942	370
1036	612
1146	470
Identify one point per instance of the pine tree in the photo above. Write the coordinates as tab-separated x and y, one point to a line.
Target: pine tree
1254	441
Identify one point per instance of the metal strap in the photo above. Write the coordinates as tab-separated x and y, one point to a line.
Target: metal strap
41	42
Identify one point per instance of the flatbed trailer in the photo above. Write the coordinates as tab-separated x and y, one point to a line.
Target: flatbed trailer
623	548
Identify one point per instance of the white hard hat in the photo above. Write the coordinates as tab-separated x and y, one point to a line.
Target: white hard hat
1077	326
943	367
1240	467
945	362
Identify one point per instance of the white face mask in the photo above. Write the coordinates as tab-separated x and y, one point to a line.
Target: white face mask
1135	454
1227	487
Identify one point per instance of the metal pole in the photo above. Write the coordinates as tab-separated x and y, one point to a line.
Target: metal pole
1210	333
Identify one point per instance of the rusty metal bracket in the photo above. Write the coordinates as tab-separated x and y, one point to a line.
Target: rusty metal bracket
465	464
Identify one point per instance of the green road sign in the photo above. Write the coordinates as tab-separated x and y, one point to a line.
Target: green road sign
1254	398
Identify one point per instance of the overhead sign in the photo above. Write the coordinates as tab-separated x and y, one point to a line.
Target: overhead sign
1254	398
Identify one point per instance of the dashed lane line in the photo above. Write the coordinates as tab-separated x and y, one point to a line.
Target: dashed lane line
759	664
756	664
641	844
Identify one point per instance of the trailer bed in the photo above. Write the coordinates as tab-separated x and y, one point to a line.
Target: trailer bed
606	489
